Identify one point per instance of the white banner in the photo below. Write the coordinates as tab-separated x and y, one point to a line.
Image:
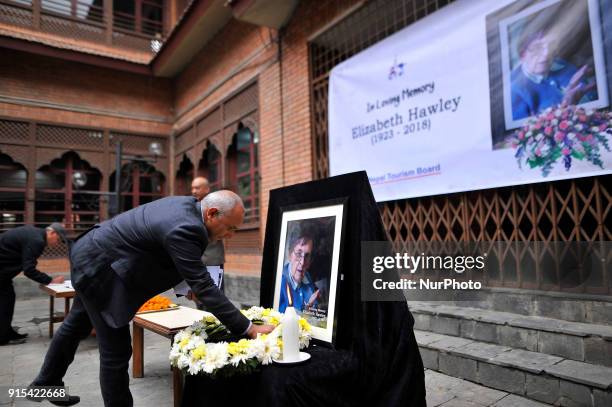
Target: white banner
480	94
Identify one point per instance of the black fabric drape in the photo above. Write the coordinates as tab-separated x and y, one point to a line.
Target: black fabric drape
375	360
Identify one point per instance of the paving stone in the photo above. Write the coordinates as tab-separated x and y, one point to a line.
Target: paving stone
502	378
568	346
512	400
602	398
518	337
480	351
479	394
542	388
598	351
480	331
457	366
457	402
533	362
445	326
574	395
430	358
422	322
449	343
425	338
585	373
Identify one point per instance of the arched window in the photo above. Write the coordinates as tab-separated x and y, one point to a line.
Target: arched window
13	180
210	166
184	176
140	183
243	170
67	191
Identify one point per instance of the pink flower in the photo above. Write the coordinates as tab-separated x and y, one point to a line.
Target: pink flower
550	116
582	118
514	144
538	125
589	137
521	135
559	136
538	152
563	125
548	130
603	127
566	151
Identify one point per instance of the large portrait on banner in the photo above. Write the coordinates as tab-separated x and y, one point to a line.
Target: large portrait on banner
307	265
544	54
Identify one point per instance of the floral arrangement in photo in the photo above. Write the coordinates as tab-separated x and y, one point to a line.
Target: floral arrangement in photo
207	347
562	133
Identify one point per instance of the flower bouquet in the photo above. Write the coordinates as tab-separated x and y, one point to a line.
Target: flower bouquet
562	133
207	347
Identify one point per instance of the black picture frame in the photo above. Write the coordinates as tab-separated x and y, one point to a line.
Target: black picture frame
314	219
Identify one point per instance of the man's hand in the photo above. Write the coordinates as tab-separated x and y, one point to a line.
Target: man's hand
191	296
259	329
315	296
57	280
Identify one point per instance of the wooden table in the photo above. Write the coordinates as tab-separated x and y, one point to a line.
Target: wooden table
64	291
167	324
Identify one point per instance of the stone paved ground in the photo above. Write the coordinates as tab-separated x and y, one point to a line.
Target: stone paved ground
20	363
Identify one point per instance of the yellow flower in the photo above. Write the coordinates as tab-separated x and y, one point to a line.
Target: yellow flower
273	321
279	342
304	325
235	348
266	312
211	319
184	342
199	352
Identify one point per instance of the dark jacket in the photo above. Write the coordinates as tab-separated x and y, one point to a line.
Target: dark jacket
124	261
19	250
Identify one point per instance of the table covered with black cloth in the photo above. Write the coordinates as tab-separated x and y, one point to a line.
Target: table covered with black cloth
375	360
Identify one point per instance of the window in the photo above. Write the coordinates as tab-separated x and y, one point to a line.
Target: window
68	191
184	176
141	183
13	180
210	166
143	16
243	170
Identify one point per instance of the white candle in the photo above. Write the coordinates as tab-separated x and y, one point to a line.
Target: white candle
291	332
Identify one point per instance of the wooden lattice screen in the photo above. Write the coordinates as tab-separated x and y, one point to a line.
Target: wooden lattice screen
572	210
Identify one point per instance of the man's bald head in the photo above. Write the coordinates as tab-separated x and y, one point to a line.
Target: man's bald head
223	214
199	188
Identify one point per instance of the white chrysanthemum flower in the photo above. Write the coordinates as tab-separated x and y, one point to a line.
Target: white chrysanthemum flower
182	362
216	355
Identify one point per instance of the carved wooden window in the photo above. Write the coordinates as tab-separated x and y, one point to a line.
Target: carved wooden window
13	180
210	166
67	191
141	183
243	170
184	176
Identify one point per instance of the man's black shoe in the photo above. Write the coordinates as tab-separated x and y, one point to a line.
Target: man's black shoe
15	335
11	341
72	400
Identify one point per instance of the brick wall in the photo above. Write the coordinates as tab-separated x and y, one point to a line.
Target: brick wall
49	89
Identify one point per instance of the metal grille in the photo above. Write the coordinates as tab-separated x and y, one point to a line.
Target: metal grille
59	251
16	14
241	104
55	135
210	124
73	29
132	41
571	210
13	131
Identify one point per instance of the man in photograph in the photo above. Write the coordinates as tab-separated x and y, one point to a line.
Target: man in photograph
297	286
122	262
20	249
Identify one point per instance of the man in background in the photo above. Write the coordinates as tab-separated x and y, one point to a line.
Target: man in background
214	255
20	249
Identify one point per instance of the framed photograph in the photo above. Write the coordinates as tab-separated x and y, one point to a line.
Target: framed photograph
308	262
544	54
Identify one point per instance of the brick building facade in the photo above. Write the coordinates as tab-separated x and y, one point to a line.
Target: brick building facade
237	92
